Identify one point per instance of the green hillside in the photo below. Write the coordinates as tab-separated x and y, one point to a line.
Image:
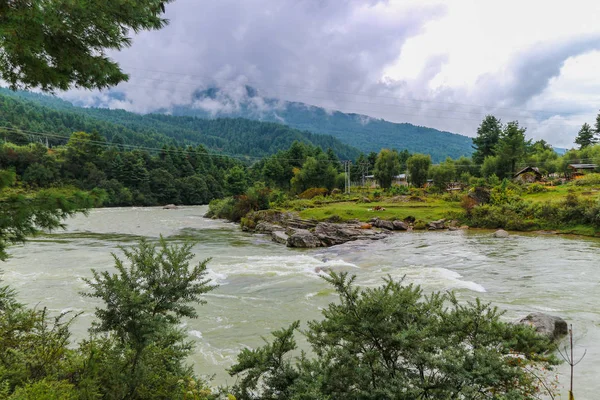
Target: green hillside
31	113
366	133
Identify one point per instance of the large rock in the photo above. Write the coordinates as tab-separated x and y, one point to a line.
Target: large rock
304	239
547	325
332	234
439	224
170	207
400	225
383	224
279	237
266	227
500	233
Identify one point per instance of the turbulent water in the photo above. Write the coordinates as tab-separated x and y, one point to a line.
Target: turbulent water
264	286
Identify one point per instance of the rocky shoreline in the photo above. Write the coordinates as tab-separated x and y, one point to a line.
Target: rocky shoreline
288	229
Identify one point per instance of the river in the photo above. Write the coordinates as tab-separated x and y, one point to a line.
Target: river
265	286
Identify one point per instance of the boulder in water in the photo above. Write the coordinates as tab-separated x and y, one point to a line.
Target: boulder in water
548	325
304	239
400	225
170	207
279	237
439	224
267	227
383	224
500	233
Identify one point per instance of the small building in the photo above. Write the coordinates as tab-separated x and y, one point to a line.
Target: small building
578	170
371	182
529	175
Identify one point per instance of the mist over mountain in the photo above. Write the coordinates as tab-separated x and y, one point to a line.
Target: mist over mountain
361	131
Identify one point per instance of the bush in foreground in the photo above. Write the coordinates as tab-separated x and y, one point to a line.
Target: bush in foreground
393	342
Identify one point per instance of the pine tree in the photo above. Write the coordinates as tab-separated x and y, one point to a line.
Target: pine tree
488	136
62	44
585	137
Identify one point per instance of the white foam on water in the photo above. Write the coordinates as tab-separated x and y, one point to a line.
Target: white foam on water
280	266
436	278
195	333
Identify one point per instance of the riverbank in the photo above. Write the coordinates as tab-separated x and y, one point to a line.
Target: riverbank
265	286
567	209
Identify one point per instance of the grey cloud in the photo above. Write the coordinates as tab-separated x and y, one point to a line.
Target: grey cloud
319	52
277	46
530	72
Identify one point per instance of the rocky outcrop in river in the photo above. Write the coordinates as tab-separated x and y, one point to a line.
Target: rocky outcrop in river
287	228
548	325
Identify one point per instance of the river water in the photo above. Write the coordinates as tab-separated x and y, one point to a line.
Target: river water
264	286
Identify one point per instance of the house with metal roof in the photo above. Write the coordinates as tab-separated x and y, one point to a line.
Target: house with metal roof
578	170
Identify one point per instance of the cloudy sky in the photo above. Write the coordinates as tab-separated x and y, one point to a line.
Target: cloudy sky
443	64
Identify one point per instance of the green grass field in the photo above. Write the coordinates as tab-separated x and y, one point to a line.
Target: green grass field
429	210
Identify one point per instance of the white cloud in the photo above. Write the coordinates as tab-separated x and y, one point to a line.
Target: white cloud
437	63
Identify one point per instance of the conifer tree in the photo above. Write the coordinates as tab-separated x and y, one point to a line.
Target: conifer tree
585	137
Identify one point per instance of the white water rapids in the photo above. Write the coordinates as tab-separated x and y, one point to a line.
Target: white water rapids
265	286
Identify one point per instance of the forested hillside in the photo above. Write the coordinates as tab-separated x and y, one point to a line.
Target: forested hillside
366	133
31	113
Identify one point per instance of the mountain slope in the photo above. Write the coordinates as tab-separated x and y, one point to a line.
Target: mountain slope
239	137
366	133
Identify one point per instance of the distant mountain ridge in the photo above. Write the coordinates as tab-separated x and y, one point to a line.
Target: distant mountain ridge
361	131
32	112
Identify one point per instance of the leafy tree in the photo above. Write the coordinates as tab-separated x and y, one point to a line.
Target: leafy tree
443	174
585	137
316	172
62	44
24	214
393	342
488	136
418	168
491	166
236	181
387	166
511	148
143	304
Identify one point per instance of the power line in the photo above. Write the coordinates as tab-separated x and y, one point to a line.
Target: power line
159	149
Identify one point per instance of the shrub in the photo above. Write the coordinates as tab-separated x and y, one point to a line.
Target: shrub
536	188
395	342
399	190
313	192
588	180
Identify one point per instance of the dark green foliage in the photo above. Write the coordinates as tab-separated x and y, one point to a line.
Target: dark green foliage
586	136
23	111
62	44
511	148
315	172
393	342
235	208
488	136
443	174
418	168
387	166
360	131
33	347
175	175
143	303
24	214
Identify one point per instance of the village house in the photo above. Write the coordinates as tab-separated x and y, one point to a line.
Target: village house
576	171
529	175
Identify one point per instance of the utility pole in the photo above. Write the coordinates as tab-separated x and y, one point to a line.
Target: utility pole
347	182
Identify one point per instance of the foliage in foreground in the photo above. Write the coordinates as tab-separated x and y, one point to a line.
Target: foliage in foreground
136	350
393	342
